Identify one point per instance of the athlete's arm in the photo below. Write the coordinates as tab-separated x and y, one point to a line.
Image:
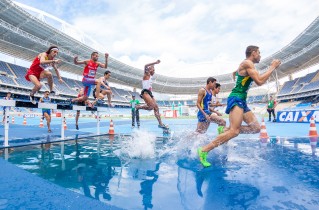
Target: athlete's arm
42	57
253	73
103	84
151	64
104	65
77	62
41	100
57	73
201	95
234	75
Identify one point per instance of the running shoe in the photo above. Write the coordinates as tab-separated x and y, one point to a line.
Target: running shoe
32	99
220	129
203	157
77	127
163	126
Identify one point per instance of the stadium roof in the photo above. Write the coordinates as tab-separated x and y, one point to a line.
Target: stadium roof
23	36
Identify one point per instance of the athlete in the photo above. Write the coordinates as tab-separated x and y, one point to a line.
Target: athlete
82	103
147	95
105	89
216	115
210	109
46	113
89	73
236	104
40	68
8	97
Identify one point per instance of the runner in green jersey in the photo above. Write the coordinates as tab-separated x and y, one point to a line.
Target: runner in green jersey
236	104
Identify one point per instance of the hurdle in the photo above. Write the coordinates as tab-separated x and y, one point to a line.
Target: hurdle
62	107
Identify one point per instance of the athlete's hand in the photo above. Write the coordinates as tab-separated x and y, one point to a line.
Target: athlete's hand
158	61
106	55
207	117
76	58
57	61
219	114
60	80
275	63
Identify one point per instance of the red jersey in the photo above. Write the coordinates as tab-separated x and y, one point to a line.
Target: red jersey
36	68
90	69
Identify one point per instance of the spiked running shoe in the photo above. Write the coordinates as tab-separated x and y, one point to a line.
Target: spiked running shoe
203	157
220	130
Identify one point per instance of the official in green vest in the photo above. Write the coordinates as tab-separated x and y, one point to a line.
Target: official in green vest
135	112
271	108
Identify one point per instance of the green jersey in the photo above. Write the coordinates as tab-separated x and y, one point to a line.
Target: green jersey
271	104
134	103
242	86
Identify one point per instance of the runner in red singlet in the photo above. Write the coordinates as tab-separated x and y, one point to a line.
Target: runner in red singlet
40	68
89	73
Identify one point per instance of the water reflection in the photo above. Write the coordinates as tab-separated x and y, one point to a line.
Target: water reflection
246	174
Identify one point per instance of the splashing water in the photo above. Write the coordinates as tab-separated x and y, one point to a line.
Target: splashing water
141	144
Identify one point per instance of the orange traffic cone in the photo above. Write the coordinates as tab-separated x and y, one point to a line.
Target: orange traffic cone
111	130
263	131
41	123
12	121
313	129
24	120
65	126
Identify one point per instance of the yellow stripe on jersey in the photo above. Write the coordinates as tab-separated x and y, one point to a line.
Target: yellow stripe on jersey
245	79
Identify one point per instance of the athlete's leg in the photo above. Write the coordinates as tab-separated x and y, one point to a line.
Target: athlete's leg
108	93
217	119
149	103
77	119
252	126
48	75
157	113
98	86
202	127
37	84
48	119
236	116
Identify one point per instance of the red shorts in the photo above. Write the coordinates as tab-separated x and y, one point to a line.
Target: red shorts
30	72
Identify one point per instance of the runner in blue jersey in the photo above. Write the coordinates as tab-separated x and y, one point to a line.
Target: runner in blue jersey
46	113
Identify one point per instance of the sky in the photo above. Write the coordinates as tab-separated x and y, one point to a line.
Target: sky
193	38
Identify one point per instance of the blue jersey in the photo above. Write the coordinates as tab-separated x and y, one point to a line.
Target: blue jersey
205	106
46	100
206	101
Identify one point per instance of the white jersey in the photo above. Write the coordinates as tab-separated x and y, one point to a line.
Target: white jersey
214	101
147	84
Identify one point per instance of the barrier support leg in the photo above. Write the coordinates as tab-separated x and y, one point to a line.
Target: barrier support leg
98	123
62	124
6	127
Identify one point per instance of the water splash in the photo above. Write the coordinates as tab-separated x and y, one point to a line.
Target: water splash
141	144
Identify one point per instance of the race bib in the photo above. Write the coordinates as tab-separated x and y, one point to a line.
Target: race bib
91	73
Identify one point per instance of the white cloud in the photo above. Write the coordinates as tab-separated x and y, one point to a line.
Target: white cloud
191	38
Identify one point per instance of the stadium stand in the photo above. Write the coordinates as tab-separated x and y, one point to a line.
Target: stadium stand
5	69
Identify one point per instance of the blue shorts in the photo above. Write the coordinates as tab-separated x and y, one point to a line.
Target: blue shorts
88	83
201	117
48	111
236	101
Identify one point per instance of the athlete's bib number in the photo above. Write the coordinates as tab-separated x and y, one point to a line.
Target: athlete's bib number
92	73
